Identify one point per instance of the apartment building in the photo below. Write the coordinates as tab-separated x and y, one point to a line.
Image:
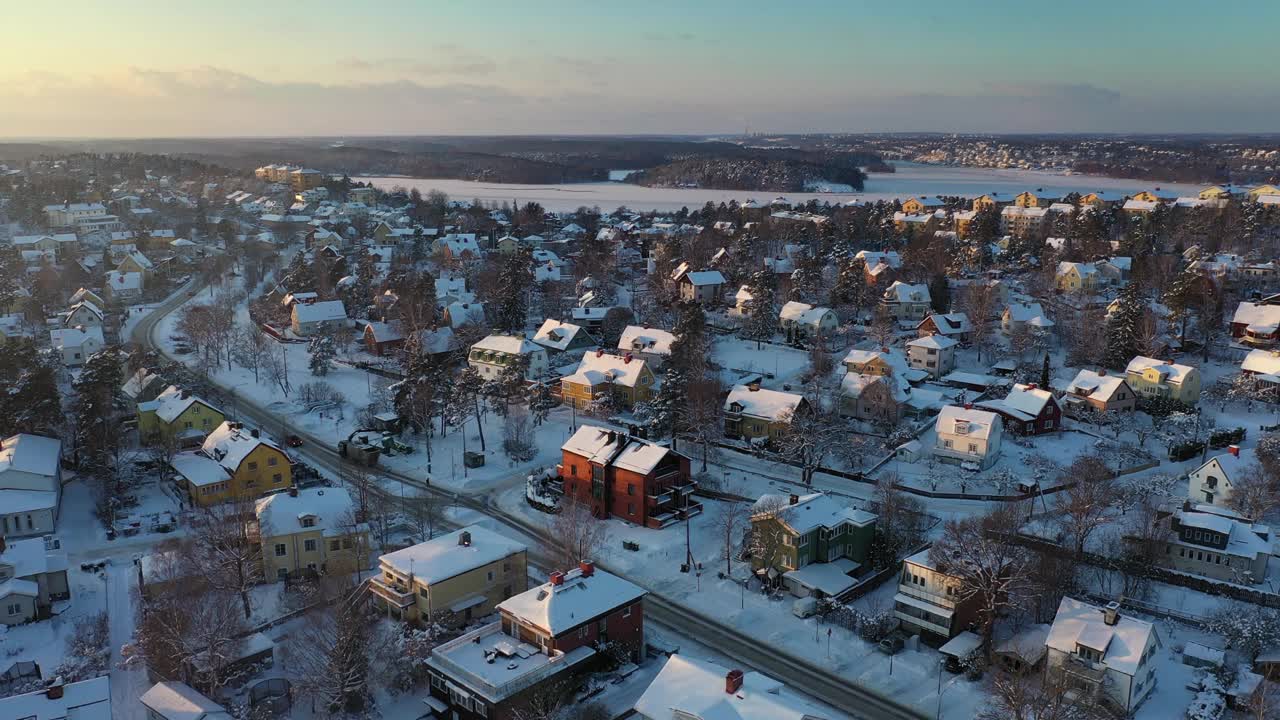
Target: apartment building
929	601
622	476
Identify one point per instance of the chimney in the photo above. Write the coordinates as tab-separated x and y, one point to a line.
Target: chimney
1111	613
754	387
1033	386
255	433
626	359
587	568
557	578
186	394
733	681
794	499
464	539
1234	450
599	352
968	406
53	690
293	491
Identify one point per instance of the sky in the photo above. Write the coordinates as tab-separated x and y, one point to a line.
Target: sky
135	68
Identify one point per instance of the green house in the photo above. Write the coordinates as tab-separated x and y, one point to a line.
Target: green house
810	544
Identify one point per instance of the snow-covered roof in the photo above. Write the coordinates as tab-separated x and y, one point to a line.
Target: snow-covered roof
576	600
555	334
759	402
507	344
171	403
696	689
1095	384
465	313
872	258
610	447
934	342
323	311
810	512
329	510
1262	362
383	331
643	339
950	323
905	292
179	701
600	367
441	558
231	445
84	700
34	454
198	469
74	337
705	277
1121	644
803	313
118	281
1026	644
1024	402
1176	373
1263	318
1084	270
970	422
31	557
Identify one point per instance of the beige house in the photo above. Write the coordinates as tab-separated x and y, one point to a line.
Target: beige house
1212	482
311	531
906	302
312	318
929	601
968	435
1077	277
1159	379
751	412
491	356
451	579
933	354
1099	392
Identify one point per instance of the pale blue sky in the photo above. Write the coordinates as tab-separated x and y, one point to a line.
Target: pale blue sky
232	67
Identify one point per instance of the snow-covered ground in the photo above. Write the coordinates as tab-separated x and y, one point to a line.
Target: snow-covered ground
910	180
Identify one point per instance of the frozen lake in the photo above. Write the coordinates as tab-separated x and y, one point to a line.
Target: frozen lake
911	179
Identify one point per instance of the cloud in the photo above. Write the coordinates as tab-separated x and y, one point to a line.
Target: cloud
462	65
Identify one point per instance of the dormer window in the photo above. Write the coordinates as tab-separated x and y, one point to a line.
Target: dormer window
308	521
1088	653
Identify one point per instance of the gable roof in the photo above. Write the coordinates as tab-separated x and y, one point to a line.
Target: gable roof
769	404
1122	644
704	277
600	367
810	512
230	443
179	701
643	339
1024	402
803	313
441	558
282	513
1093	384
949	323
1176	373
507	344
84	700
557	335
905	292
323	311
34	454
970	422
696	688
611	447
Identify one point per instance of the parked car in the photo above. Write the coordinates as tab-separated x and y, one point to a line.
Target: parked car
891	645
293	441
804	607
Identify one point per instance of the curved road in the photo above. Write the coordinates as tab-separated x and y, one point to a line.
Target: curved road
803	675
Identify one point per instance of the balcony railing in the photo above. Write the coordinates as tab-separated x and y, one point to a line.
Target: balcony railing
398	595
914	591
663	497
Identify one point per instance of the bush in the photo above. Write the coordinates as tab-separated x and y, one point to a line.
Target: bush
1223	438
1185	450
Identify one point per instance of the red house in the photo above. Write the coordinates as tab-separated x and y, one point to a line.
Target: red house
546	639
1027	410
622	476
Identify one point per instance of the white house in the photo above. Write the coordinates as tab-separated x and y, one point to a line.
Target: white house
30	485
801	321
84	700
906	302
968	435
652	344
493	354
312	318
1102	652
33	576
83	314
694	689
1211	483
934	354
704	286
178	701
1024	316
77	344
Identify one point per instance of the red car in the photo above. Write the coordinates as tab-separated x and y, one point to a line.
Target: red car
293	441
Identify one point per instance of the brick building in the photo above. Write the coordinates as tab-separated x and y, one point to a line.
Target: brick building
622	476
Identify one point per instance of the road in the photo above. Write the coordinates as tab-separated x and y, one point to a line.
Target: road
804	676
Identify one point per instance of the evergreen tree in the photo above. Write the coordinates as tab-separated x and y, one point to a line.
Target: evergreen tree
514	281
691	346
1044	373
31	402
761	317
1182	294
464	402
1123	328
806	280
940	294
851	285
322	353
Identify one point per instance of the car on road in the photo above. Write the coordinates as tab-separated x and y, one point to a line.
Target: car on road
293	441
182	349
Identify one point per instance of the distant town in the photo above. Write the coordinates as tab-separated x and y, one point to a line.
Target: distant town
280	441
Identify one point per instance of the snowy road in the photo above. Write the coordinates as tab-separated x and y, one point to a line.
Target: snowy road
127	684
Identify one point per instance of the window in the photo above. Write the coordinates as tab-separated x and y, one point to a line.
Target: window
346	543
253	466
948	444
277	478
489	576
309	545
631	488
308	521
973	447
626	611
334	544
281	549
13	609
573	470
272	460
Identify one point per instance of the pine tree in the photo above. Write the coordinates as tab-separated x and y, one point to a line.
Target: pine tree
1123	328
31	401
512	305
1044	373
322	353
761	321
1182	294
940	294
690	348
851	285
806	280
464	402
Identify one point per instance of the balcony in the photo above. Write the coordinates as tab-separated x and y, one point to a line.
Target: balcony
397	595
686	488
942	601
663	497
690	510
1091	672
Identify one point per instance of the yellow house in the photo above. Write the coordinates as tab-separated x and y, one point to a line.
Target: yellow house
1029	199
451	579
627	377
233	462
1154	378
751	412
921	205
991	200
1074	277
177	414
1100	199
1156	195
882	363
135	262
311	531
1215	192
1261	190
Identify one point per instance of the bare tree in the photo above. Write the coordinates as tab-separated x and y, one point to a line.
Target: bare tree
424	511
764	542
898	521
1253	493
1083	506
576	534
1037	697
363	485
702	415
994	572
810	436
249	349
329	658
227	534
979	303
729	521
883	328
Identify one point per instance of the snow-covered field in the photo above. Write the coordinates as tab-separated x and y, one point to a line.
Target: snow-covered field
911	179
